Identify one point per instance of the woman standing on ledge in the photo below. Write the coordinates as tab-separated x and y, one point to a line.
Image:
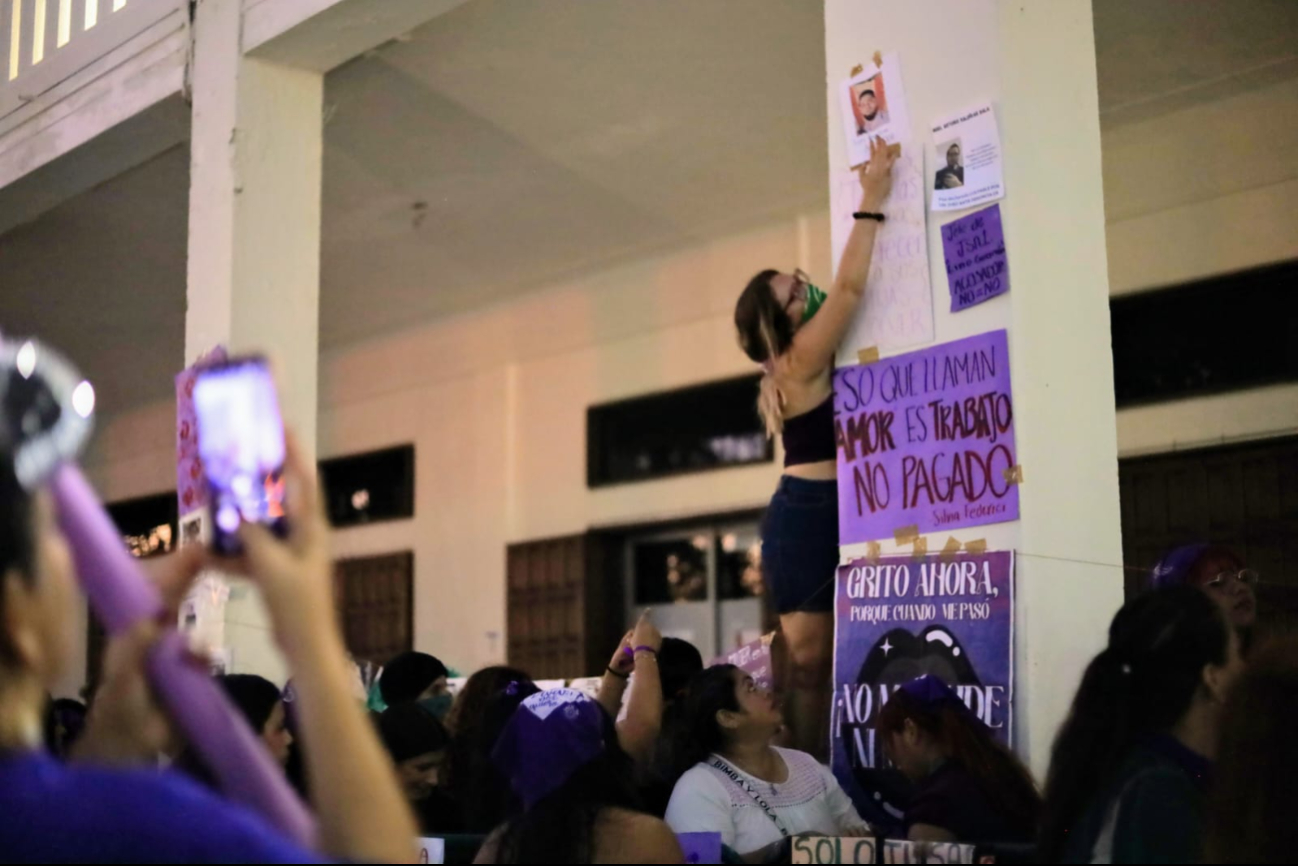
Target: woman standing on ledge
793	329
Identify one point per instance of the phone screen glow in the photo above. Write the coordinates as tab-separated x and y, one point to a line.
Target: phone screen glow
241	444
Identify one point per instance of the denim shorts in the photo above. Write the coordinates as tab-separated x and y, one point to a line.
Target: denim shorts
800	545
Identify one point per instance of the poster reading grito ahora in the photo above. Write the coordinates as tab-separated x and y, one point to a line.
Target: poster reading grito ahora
899	618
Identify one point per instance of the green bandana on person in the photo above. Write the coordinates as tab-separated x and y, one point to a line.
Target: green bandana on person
815	299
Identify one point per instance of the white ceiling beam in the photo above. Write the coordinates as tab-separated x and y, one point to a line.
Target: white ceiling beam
322	34
127	103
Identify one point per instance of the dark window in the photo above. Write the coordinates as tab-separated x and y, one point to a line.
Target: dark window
1244	497
1223	334
694	429
147	524
366	488
739	563
671	570
148	527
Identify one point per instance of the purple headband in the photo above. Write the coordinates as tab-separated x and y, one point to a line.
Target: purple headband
549	737
1173	569
933	693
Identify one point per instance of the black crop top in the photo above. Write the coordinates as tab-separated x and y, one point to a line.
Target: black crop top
809	437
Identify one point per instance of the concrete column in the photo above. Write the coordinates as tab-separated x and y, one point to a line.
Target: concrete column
254	242
1036	63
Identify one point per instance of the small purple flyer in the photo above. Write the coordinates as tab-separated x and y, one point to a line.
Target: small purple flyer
976	266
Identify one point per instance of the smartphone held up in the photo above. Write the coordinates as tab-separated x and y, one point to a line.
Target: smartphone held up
241	444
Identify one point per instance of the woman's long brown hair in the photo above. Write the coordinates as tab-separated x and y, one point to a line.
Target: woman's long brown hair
765	332
999	773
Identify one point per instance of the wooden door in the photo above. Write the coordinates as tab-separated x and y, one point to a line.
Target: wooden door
563	606
376	605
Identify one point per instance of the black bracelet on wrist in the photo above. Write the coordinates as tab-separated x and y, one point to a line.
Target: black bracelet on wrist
869	215
618	674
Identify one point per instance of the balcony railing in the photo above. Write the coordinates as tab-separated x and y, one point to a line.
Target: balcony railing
45	42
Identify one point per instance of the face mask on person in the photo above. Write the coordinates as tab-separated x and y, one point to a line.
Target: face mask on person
815	299
437	705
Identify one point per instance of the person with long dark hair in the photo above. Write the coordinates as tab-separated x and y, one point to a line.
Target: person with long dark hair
970	788
417	743
735	782
478	690
1130	766
482	710
260	702
793	329
1251	809
576	797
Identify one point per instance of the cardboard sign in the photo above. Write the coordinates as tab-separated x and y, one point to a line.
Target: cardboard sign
976	265
829	849
897	619
826	849
432	850
925	440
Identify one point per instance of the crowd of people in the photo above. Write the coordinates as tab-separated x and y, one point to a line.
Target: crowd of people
1176	747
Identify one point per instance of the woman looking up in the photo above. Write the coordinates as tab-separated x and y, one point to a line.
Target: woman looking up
793	329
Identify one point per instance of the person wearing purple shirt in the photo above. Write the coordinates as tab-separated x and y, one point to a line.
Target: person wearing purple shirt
110	803
72	813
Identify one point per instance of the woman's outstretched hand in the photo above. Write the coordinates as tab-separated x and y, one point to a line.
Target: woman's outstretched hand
876	175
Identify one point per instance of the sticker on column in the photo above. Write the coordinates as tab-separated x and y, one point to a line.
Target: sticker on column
966	160
874	106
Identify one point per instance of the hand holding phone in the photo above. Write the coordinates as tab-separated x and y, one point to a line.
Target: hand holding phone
241	444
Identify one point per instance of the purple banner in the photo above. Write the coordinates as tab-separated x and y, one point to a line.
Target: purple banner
976	266
926	441
898	618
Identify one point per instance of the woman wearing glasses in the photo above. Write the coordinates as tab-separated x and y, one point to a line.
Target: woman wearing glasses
793	329
1221	575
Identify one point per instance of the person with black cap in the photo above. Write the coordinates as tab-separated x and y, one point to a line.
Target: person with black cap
415	677
417	743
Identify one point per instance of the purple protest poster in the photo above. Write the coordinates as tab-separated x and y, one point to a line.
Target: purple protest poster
191	492
926	441
976	267
898	618
754	659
